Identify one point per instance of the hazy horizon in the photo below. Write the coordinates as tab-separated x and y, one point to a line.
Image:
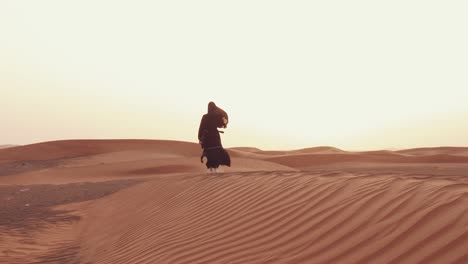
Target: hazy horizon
355	75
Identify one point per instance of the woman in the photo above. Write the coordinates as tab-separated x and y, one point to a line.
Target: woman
208	136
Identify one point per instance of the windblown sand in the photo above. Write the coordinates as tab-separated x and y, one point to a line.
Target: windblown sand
142	201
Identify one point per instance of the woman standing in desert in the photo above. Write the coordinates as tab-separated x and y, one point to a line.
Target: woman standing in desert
210	140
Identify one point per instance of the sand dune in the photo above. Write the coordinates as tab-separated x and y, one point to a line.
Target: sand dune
308	160
67	149
7	146
150	201
282	217
315	150
97	160
436	151
91	157
319	150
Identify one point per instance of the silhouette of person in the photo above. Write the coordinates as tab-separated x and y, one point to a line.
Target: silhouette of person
210	140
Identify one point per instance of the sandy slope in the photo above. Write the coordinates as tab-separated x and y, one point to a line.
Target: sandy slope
282	217
145	201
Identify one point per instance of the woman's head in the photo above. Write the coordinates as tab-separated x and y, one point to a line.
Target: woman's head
211	107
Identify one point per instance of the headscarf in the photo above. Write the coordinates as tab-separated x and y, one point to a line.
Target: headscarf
211	107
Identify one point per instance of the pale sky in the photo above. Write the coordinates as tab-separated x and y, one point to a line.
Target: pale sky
291	74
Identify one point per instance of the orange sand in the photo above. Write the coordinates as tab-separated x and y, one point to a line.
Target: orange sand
148	201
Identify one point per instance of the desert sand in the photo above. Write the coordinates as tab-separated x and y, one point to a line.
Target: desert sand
151	201
7	146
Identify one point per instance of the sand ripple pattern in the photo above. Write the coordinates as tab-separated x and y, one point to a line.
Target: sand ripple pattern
281	217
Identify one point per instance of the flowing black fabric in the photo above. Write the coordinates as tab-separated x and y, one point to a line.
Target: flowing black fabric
210	140
208	132
216	157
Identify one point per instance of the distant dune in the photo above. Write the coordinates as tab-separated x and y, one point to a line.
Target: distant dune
7	146
319	150
456	151
151	201
79	148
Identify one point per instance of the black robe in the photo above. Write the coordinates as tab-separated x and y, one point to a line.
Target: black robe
210	139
